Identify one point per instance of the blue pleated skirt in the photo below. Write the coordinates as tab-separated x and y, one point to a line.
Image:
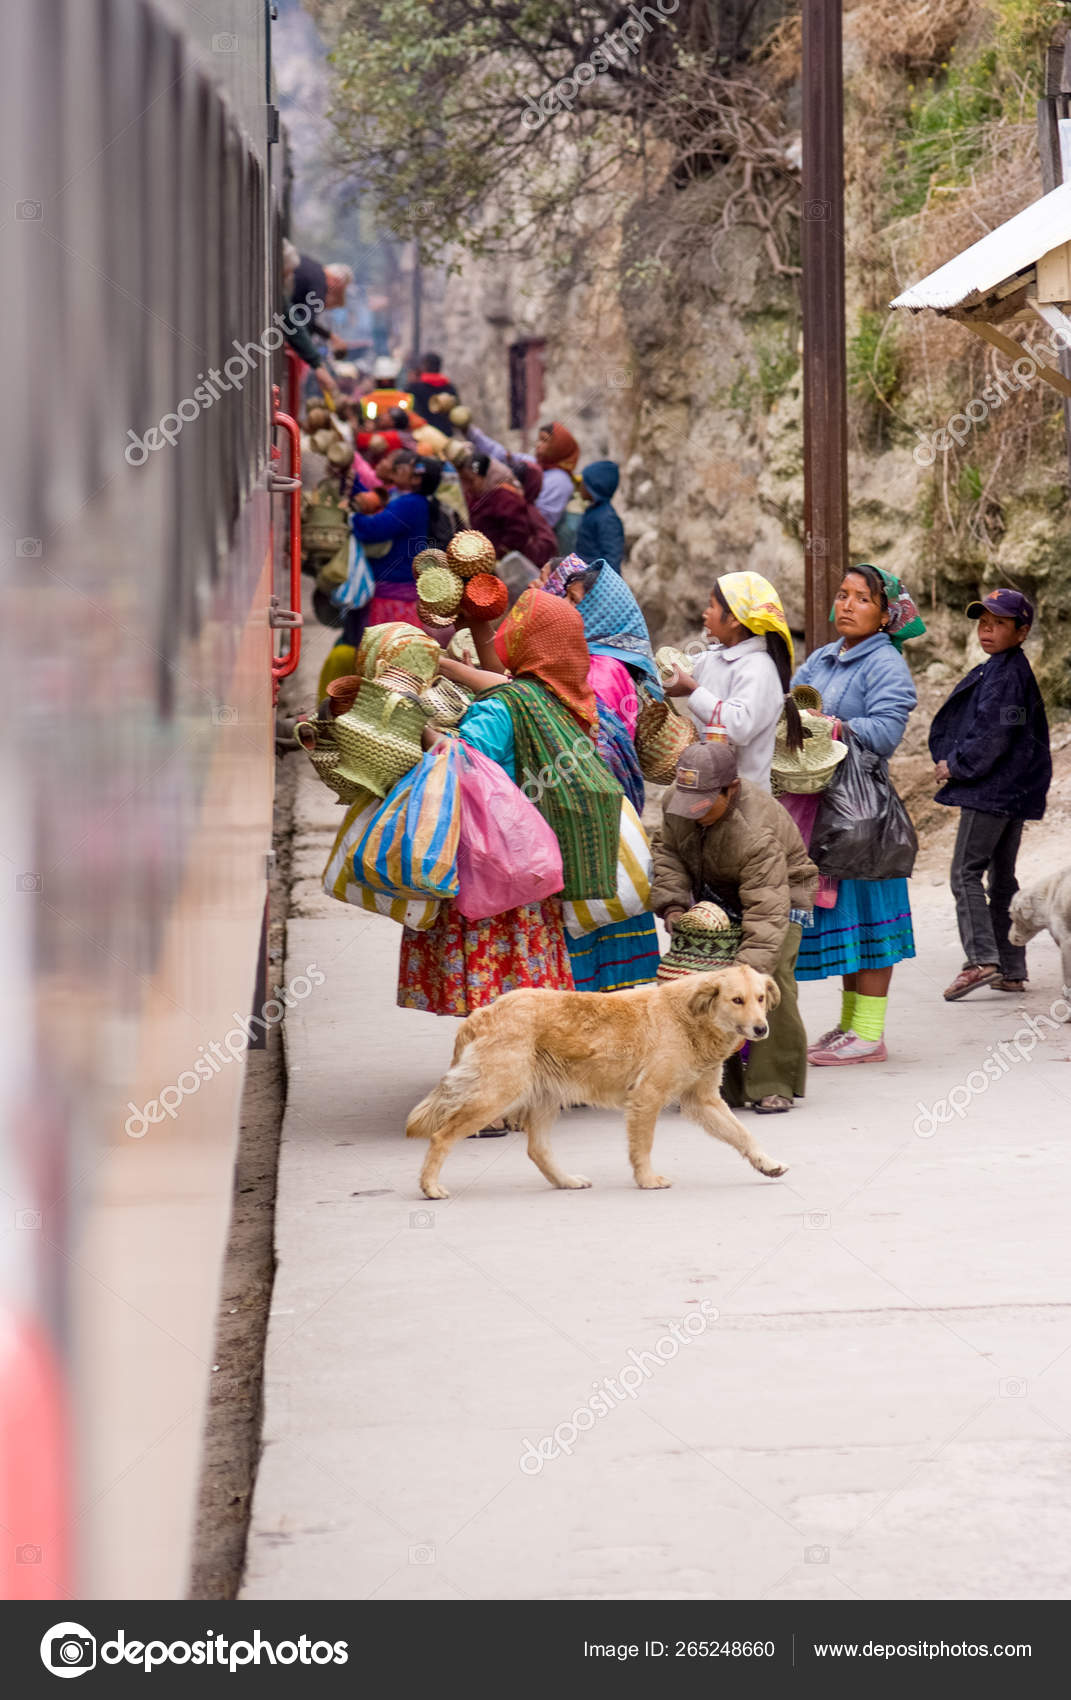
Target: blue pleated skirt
615	957
869	927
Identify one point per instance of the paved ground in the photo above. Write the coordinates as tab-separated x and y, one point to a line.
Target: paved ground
878	1409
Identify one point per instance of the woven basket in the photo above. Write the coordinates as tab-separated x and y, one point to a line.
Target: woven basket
429	558
401	683
437	621
704	939
379	738
342	693
408	649
316	738
324	526
808	697
470	552
445	702
661	739
440	591
485	598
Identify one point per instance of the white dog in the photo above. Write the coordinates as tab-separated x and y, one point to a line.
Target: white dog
1045	907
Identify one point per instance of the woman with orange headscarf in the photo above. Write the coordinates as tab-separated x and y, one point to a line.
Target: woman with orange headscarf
539	724
557	452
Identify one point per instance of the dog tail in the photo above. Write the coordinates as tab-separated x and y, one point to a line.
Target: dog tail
456	1085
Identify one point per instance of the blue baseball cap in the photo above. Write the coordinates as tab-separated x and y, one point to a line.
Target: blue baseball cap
1006	604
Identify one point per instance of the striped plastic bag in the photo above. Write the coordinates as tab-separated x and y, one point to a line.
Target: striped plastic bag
409	848
633	882
338	881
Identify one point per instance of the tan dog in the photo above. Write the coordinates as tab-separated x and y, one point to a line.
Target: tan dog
532	1053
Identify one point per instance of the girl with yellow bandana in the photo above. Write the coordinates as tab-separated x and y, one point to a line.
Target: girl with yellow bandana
741	683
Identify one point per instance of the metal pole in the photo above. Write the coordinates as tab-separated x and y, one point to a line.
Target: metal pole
1052	108
418	290
825	422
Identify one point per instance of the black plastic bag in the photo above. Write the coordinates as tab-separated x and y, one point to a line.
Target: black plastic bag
862	830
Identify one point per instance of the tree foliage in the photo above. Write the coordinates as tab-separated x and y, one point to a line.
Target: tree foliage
445	112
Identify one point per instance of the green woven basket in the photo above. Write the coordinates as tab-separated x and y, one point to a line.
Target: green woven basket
379	737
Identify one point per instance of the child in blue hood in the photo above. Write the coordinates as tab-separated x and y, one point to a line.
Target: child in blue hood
601	535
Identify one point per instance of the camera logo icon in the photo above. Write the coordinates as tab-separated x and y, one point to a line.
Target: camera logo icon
1012	1387
27	1218
27	882
1012	714
225	43
27	1555
68	1649
224	715
28	210
29	548
422	1218
816	1220
816	1555
817	209
424	1554
619	378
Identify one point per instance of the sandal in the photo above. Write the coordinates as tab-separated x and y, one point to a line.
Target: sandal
1006	985
772	1105
969	980
494	1130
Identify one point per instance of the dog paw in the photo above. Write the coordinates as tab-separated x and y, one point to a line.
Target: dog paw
575	1182
434	1190
651	1183
771	1169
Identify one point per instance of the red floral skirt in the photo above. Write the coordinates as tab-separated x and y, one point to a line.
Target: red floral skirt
458	965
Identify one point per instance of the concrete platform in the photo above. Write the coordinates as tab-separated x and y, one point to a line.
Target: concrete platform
878	1409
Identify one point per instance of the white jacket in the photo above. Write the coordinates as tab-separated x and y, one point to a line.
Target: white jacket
740	688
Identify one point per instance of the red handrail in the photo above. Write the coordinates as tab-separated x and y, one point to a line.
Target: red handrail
283	665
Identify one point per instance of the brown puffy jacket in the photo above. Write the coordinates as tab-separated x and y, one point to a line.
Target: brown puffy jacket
754	857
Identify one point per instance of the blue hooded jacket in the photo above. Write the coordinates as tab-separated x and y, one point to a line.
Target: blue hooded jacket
993	733
601	534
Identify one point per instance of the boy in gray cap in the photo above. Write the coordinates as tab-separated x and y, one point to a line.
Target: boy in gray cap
724	838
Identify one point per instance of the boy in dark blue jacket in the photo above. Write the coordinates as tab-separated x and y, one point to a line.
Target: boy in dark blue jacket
990	743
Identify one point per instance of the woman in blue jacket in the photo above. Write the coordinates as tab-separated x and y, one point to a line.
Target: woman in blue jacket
865	682
403	524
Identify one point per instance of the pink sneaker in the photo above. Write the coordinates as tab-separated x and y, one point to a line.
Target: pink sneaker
849	1048
825	1041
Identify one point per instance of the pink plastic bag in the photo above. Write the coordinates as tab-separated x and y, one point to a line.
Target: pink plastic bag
507	855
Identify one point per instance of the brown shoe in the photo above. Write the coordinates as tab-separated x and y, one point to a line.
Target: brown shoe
1006	985
969	979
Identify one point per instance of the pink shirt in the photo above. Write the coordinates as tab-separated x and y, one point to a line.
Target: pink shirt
614	685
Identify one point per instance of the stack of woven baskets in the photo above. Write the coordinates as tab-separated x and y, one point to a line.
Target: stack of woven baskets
460	582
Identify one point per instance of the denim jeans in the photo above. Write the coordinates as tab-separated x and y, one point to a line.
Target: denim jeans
987	845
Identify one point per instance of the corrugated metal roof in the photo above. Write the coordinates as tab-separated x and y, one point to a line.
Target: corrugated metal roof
1008	250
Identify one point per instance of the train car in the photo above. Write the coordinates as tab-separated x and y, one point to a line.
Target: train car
146	533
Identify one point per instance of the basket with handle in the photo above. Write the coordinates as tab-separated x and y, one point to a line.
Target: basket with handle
316	738
445	702
661	739
379	737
